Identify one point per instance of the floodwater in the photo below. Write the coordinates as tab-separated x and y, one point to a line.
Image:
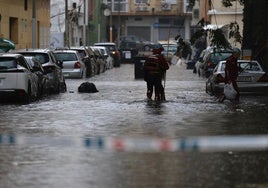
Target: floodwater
43	144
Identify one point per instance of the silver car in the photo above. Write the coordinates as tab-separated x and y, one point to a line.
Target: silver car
251	78
73	65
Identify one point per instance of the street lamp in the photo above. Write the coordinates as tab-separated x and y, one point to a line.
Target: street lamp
119	23
66	24
108	12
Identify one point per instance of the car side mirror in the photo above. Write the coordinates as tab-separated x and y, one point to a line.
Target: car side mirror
60	63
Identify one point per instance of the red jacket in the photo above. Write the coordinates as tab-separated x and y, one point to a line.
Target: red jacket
231	69
155	64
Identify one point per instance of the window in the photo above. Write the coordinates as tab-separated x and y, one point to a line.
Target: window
142	1
7	63
118	5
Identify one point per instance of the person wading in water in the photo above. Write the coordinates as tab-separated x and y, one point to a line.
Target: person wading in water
155	68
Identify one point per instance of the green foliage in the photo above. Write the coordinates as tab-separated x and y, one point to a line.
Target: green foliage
229	3
218	39
234	32
216	36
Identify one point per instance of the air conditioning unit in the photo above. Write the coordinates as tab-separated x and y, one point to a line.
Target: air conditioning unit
138	8
142	8
166	6
145	8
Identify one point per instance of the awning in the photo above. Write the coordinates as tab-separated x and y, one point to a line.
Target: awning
6	45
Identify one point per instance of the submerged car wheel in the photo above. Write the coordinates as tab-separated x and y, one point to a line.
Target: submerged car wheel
209	89
63	88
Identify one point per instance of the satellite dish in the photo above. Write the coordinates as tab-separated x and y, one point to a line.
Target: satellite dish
107	12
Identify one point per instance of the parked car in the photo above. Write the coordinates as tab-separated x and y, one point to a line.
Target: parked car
109	61
212	57
72	64
170	50
94	63
51	66
86	58
17	82
251	78
134	42
43	80
100	59
114	51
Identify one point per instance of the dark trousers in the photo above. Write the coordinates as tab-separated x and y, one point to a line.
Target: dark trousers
154	83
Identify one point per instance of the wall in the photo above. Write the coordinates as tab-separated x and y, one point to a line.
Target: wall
16	22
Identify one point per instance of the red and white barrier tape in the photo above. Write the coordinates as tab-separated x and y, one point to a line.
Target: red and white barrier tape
202	143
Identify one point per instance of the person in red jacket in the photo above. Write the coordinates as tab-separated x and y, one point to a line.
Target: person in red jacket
154	71
231	72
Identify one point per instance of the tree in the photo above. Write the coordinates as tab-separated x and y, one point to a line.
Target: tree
255	30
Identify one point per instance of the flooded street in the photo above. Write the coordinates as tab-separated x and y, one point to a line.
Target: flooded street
43	144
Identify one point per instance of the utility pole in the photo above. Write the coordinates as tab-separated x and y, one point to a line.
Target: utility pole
66	24
34	24
85	21
111	25
119	23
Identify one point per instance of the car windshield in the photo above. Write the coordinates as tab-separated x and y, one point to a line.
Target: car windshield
219	56
245	65
42	57
170	48
82	53
250	66
66	56
110	47
7	63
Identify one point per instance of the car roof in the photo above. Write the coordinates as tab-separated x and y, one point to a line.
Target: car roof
77	48
242	60
10	55
104	43
65	51
45	50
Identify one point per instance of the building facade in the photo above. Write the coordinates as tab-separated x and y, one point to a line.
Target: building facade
26	26
221	17
152	20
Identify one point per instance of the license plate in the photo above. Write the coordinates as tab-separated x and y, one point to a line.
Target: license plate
244	79
66	74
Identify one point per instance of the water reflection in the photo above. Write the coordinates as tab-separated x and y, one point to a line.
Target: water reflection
120	109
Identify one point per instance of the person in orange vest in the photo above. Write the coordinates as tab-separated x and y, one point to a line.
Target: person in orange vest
155	68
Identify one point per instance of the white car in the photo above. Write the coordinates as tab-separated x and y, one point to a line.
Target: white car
251	78
17	82
73	65
109	60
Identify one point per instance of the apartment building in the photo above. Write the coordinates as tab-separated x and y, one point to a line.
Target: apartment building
152	20
26	22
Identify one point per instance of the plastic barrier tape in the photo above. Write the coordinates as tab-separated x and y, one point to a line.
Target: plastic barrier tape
202	143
